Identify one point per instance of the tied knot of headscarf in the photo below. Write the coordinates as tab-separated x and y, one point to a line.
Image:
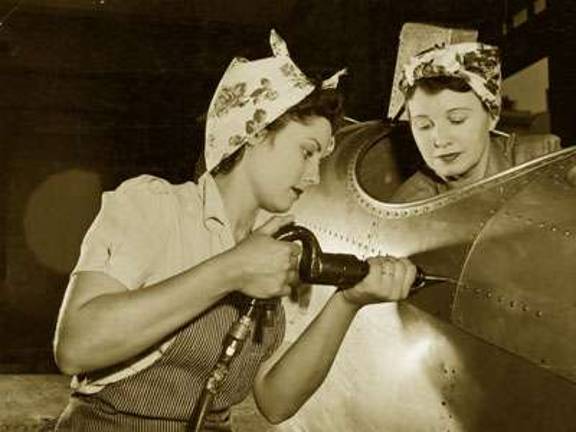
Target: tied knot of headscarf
250	96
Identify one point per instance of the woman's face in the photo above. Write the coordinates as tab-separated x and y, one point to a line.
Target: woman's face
452	131
286	162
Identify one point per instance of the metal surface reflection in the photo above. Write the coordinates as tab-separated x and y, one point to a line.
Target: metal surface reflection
408	367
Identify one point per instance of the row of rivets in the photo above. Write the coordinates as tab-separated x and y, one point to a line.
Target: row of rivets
540	225
500	299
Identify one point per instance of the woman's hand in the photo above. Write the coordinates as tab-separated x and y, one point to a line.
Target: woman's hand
268	267
389	279
313	352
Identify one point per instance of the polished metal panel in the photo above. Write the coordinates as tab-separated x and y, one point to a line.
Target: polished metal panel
408	367
518	287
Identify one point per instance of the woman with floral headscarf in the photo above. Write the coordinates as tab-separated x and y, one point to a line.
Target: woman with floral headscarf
452	96
165	269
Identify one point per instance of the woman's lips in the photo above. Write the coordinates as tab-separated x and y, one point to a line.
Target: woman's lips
448	157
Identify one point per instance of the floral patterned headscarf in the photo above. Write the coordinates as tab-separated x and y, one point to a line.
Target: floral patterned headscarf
250	96
476	63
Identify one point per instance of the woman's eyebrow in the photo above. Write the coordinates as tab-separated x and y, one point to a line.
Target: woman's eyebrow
459	109
420	117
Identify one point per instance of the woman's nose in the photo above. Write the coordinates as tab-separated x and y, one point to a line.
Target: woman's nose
440	138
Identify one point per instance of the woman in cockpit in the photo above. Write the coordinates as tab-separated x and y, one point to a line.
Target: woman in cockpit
453	98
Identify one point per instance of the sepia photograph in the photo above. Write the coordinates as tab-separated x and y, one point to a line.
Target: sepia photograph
287	216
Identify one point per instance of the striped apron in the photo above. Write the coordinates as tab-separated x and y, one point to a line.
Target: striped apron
162	397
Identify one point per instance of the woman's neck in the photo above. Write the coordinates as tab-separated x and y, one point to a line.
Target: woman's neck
240	207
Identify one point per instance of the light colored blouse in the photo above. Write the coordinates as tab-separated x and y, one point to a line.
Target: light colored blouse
148	230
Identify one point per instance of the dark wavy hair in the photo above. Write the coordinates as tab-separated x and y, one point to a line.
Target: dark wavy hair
327	103
433	85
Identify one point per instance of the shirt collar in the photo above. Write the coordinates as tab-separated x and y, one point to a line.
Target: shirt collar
213	206
500	157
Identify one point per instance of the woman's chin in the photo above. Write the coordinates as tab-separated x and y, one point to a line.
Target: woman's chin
279	206
449	172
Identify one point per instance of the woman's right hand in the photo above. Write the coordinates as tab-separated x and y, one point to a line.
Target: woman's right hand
268	267
389	280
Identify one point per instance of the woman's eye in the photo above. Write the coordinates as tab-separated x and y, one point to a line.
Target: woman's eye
457	120
307	153
423	125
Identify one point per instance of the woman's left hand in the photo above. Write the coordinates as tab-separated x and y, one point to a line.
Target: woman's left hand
389	279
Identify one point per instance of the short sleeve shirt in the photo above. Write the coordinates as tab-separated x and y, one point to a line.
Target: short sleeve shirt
148	230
